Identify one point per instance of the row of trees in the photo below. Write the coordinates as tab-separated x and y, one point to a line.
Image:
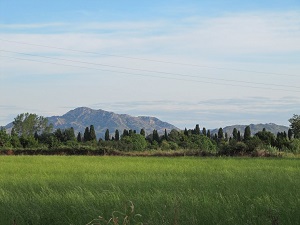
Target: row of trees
32	131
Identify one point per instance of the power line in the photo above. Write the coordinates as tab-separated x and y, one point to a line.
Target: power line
151	60
134	74
151	71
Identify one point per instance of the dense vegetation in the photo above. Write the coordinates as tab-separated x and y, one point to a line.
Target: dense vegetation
32	132
188	190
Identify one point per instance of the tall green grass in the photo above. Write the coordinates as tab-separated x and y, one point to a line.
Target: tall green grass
75	190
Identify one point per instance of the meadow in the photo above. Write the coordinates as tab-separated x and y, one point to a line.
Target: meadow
75	190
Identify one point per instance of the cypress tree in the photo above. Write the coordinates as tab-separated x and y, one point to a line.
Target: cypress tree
79	138
186	133
142	132
107	135
220	133
86	135
125	133
117	135
208	134
239	138
247	133
197	129
155	136
92	133
166	135
204	131
290	134
235	134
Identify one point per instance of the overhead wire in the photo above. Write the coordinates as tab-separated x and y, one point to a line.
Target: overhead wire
143	75
151	71
150	60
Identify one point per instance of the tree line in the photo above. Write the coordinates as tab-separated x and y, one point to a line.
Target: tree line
31	131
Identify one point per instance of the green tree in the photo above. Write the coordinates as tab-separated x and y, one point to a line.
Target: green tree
166	135
4	138
295	125
208	134
239	136
234	134
204	131
106	138
290	134
86	135
247	133
155	136
197	130
220	133
117	135
79	138
142	132
125	133
92	133
266	137
26	124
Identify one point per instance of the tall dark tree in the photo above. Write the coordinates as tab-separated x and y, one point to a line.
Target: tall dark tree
197	130
79	138
186	133
142	132
204	131
234	134
166	135
107	135
125	133
92	134
220	133
86	135
208	134
247	133
155	136
117	135
239	136
290	134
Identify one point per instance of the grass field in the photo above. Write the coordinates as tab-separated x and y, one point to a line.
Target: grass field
41	190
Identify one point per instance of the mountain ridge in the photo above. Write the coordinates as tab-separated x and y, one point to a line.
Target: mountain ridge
82	117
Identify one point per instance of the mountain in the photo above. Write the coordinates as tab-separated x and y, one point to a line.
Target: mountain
83	117
274	128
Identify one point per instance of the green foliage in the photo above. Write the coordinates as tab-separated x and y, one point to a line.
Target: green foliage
295	146
234	134
26	124
142	132
117	135
220	133
134	142
86	135
107	138
295	125
266	137
5	140
247	133
92	133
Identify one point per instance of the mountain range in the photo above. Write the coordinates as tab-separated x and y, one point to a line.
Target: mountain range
82	117
273	128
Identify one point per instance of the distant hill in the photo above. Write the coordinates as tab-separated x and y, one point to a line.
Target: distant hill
274	128
82	117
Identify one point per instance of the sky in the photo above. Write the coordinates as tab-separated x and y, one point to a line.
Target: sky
213	63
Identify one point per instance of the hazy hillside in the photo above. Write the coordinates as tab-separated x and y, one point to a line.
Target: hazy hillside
82	117
274	128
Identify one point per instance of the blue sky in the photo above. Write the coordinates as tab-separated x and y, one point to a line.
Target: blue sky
229	62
